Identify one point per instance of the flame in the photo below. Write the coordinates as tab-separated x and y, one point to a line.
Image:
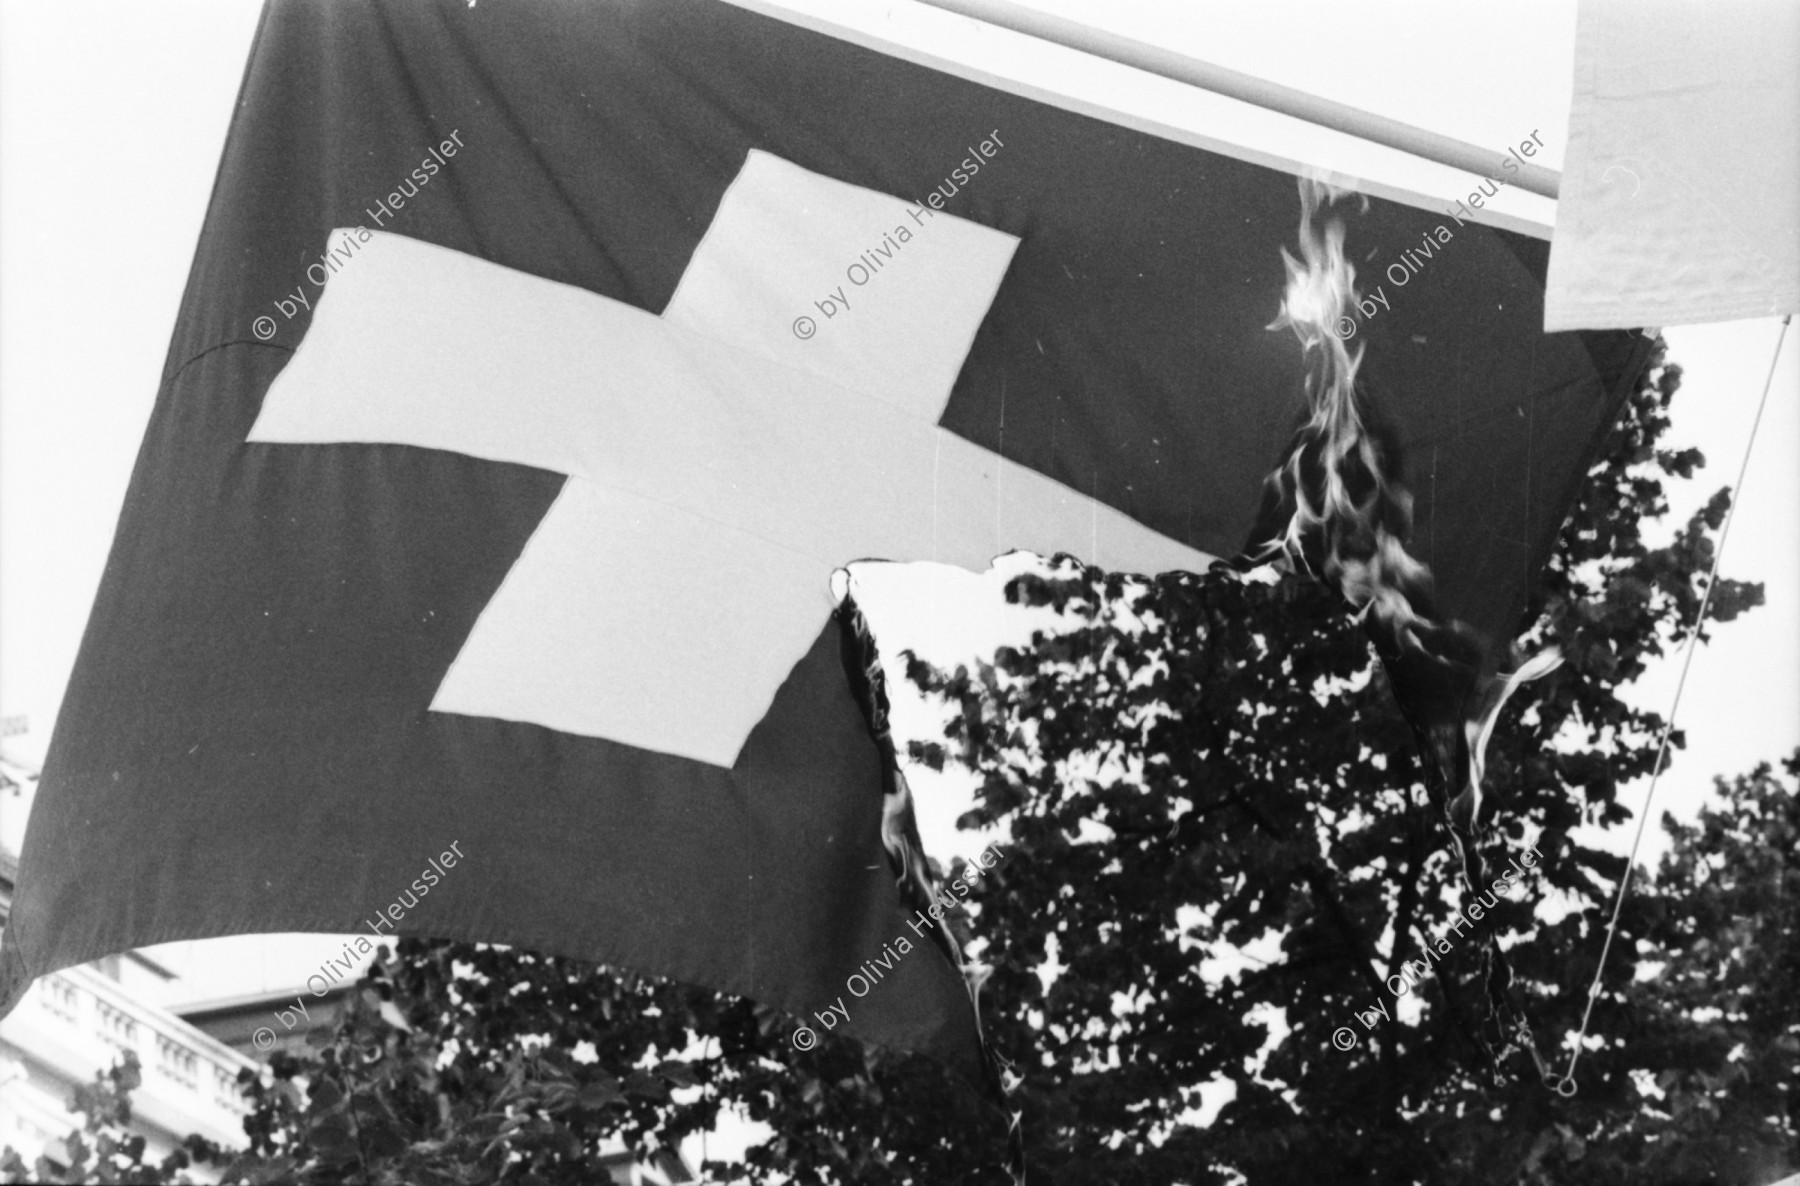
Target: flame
1322	290
1349	513
1336	508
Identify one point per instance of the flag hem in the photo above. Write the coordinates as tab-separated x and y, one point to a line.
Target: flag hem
1237	151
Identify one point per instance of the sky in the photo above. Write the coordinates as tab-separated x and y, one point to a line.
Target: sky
112	118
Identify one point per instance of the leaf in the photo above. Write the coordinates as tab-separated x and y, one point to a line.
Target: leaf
323	1094
332	1140
648	1086
601	1095
383	1140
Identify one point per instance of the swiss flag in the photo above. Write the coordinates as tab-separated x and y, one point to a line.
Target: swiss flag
541	363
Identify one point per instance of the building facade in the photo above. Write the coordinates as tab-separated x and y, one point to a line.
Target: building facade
80	1022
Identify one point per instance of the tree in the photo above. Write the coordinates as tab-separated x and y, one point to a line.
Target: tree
1712	1035
1221	862
104	1149
1258	792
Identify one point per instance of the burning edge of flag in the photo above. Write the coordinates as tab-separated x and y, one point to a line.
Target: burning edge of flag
1336	508
919	885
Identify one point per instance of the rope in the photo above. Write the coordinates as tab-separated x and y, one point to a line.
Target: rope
1566	1085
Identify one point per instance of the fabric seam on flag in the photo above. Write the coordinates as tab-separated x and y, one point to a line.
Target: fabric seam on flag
182	369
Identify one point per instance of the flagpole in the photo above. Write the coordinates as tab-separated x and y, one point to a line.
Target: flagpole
1340	117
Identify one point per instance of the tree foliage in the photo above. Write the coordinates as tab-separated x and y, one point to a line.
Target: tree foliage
1207	769
1712	1035
104	1149
1220	859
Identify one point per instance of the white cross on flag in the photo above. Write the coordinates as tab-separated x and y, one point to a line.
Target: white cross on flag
719	466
